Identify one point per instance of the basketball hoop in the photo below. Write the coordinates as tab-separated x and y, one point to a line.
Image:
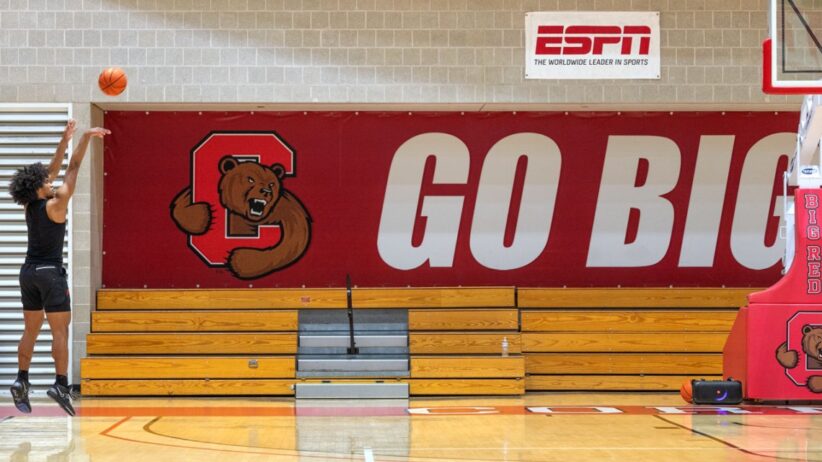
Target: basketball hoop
772	87
792	53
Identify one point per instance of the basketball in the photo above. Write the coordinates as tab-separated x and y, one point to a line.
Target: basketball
686	392
112	81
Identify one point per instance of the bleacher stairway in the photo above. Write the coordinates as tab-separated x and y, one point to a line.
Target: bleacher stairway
380	352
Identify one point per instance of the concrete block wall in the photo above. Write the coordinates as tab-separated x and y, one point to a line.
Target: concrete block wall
435	51
342	51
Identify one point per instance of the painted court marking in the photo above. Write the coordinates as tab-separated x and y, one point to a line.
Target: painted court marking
127	428
394	411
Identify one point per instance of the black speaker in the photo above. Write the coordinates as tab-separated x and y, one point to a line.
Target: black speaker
717	391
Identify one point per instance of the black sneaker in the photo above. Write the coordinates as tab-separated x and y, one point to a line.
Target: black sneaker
62	396
20	394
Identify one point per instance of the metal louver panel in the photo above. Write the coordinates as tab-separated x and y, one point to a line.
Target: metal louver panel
28	133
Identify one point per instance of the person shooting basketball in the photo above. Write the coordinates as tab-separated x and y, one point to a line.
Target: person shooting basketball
43	284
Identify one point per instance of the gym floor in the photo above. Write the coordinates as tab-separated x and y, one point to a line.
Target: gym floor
537	427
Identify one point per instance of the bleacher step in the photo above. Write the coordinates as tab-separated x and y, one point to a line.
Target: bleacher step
363	341
343	351
351	390
352	374
364	320
352	363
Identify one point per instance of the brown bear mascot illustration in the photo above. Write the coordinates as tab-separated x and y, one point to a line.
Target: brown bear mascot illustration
254	196
812	347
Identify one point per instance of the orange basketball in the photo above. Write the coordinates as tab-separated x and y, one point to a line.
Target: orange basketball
112	81
685	391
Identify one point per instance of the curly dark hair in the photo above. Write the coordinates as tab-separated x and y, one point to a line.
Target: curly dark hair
26	181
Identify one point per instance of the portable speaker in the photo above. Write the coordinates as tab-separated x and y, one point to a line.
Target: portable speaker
717	391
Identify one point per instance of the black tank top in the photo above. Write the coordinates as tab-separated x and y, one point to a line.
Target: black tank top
45	236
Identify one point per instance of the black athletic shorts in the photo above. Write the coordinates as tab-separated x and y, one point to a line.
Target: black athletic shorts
44	286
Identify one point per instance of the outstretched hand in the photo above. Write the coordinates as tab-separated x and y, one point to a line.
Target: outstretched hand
68	132
98	132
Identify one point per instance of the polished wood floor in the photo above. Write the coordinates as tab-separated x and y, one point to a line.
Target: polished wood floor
538	427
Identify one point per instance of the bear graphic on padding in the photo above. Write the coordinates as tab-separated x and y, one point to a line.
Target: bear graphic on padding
254	196
812	347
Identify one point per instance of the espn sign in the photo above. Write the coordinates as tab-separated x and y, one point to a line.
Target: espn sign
585	40
573	45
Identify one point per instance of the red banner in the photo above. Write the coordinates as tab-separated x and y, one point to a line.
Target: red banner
443	199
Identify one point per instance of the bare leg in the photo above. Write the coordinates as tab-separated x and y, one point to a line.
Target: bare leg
59	323
33	321
59	392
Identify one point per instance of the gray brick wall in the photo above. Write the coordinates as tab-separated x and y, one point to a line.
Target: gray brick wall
434	51
341	51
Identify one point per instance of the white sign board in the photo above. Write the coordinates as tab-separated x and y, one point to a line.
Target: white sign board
592	45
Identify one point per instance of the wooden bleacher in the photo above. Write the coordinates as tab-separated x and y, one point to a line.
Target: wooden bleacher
244	341
455	339
197	342
624	339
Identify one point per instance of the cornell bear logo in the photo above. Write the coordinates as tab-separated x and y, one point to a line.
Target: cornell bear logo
259	226
812	349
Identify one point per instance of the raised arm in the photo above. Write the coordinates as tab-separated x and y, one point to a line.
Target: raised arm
57	160
65	191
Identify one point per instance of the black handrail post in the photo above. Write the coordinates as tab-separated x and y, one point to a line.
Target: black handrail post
352	348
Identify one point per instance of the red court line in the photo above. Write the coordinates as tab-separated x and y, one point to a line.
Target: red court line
37	411
727	443
369	411
238	411
356	411
266	452
120	422
147	428
151	411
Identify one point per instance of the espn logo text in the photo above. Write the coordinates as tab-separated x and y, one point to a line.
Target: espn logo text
592	40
